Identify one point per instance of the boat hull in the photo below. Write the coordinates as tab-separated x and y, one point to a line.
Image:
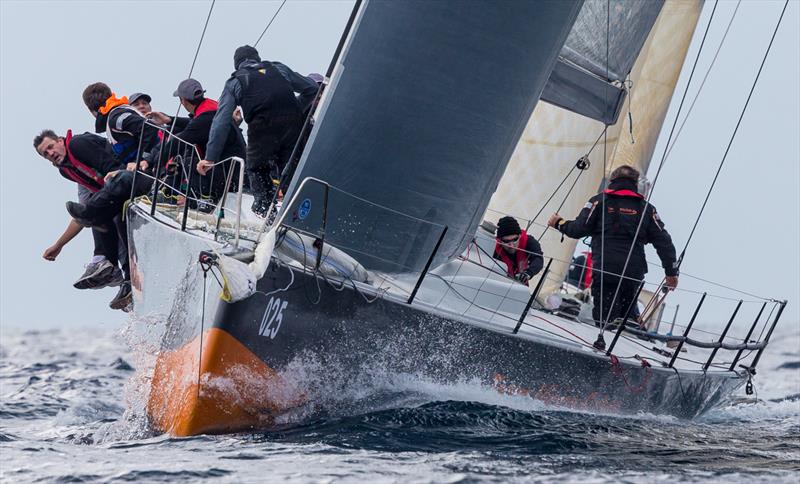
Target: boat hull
301	339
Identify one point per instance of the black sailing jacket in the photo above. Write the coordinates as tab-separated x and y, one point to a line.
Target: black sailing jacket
624	206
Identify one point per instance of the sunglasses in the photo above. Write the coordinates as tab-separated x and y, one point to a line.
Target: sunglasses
513	239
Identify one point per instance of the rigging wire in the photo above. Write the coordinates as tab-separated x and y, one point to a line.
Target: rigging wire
194	61
269	23
600	343
202	36
566	177
733	135
566	197
658	171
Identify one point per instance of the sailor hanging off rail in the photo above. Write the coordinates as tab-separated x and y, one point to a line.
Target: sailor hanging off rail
86	159
266	92
623	204
521	253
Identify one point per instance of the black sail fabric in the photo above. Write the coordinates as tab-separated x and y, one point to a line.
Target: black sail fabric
613	30
421	118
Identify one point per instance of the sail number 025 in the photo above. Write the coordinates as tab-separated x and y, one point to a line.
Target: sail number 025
273	316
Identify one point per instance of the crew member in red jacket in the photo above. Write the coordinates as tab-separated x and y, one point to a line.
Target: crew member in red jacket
521	253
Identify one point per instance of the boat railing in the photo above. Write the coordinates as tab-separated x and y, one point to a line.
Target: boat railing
174	177
675	343
332	216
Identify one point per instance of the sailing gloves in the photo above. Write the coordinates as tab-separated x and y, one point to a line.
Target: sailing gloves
524	276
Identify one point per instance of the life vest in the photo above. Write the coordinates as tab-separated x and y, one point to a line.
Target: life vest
266	93
79	172
125	150
587	273
623	193
520	262
207	105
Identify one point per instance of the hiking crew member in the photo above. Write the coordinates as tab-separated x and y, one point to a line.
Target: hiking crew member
521	253
196	131
266	92
624	206
121	123
85	159
140	102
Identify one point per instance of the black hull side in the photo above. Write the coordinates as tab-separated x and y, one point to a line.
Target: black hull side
298	318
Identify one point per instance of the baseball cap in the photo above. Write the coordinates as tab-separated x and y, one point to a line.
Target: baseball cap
189	89
139	95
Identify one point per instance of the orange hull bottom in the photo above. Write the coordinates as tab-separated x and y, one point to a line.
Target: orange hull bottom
232	390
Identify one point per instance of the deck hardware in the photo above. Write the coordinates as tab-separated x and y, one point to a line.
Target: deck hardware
533	296
722	336
427	266
767	337
186	199
747	338
319	243
686	333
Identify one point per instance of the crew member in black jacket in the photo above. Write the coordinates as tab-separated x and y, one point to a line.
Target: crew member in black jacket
123	125
210	183
521	253
266	92
624	207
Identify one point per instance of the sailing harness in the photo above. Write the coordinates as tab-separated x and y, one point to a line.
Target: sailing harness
77	171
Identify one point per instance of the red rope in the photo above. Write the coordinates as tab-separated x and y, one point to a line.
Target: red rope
564	330
617	369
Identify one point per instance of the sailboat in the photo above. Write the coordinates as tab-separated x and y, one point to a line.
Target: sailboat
435	117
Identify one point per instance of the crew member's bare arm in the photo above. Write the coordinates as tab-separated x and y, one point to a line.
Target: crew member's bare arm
70	232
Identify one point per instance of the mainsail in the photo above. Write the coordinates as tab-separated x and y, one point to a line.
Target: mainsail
556	138
423	114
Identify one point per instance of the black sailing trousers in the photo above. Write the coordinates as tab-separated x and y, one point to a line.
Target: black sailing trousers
603	298
269	146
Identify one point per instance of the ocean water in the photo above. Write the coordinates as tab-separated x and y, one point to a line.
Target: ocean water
71	411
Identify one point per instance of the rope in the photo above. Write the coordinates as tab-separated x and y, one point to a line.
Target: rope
205	269
617	369
563	329
270	23
733	135
658	173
